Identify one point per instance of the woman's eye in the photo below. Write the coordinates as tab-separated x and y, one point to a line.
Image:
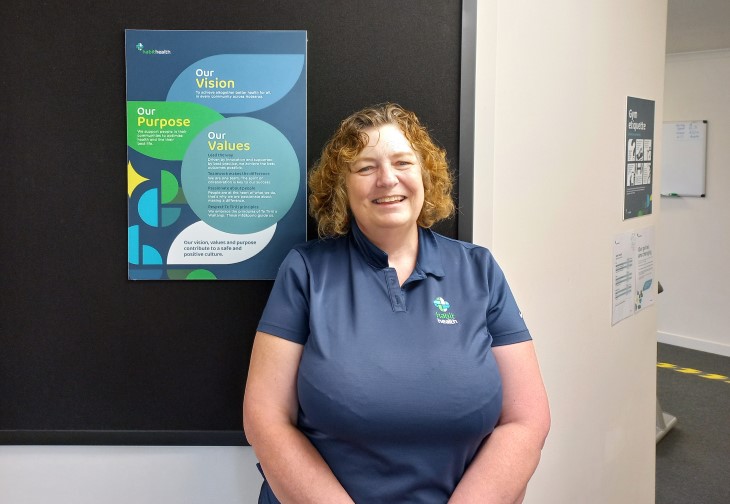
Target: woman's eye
364	170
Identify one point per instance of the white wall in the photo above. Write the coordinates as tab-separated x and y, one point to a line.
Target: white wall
561	72
128	475
694	233
552	84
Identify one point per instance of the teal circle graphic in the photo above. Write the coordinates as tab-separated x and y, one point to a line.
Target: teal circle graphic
240	175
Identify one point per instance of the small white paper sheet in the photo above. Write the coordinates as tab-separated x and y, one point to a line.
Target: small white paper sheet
633	273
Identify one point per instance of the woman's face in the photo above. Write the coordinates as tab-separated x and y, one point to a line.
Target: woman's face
384	184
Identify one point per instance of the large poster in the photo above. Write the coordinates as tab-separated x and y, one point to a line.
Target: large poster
216	149
639	149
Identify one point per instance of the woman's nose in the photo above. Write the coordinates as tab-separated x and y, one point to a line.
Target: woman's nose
387	176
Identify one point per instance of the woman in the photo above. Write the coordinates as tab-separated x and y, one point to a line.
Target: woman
391	364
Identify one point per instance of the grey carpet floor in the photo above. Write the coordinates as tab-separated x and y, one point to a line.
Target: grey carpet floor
693	459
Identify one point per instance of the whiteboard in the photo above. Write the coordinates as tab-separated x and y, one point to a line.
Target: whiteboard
684	156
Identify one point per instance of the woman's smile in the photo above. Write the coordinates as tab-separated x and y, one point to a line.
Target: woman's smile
389	199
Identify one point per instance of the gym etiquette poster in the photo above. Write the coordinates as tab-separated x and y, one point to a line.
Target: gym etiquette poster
638	180
216	152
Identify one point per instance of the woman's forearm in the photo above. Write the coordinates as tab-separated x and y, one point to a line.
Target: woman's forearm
502	467
294	468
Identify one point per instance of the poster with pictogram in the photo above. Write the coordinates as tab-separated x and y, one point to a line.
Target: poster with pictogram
638	166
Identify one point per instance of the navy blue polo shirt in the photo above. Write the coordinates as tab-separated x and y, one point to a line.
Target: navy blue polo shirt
397	385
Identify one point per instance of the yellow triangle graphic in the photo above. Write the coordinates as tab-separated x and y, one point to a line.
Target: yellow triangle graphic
133	179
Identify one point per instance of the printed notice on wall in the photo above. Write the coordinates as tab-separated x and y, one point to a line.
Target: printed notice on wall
216	152
633	273
638	160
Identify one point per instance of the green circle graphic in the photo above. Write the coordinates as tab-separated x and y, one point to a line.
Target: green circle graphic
240	175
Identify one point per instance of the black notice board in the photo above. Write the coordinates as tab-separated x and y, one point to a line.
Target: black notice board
86	356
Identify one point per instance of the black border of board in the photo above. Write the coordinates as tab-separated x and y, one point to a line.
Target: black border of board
232	438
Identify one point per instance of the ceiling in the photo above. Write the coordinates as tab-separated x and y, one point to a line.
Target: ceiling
698	25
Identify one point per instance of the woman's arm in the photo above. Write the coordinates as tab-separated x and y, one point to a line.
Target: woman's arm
505	462
294	469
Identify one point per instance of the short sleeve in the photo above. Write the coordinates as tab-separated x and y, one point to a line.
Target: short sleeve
504	318
286	314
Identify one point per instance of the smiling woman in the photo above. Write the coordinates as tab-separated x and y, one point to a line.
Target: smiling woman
391	364
329	203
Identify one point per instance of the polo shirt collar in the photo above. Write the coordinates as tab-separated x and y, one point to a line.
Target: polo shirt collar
429	257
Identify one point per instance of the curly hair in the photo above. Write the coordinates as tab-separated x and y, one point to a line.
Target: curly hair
328	202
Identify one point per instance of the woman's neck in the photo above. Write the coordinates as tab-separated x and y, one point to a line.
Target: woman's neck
401	247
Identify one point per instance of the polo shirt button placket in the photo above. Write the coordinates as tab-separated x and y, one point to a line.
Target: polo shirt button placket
394	291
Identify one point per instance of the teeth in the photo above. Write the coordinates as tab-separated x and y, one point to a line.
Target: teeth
389	199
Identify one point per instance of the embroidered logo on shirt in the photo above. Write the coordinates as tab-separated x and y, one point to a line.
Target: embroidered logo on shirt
443	316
